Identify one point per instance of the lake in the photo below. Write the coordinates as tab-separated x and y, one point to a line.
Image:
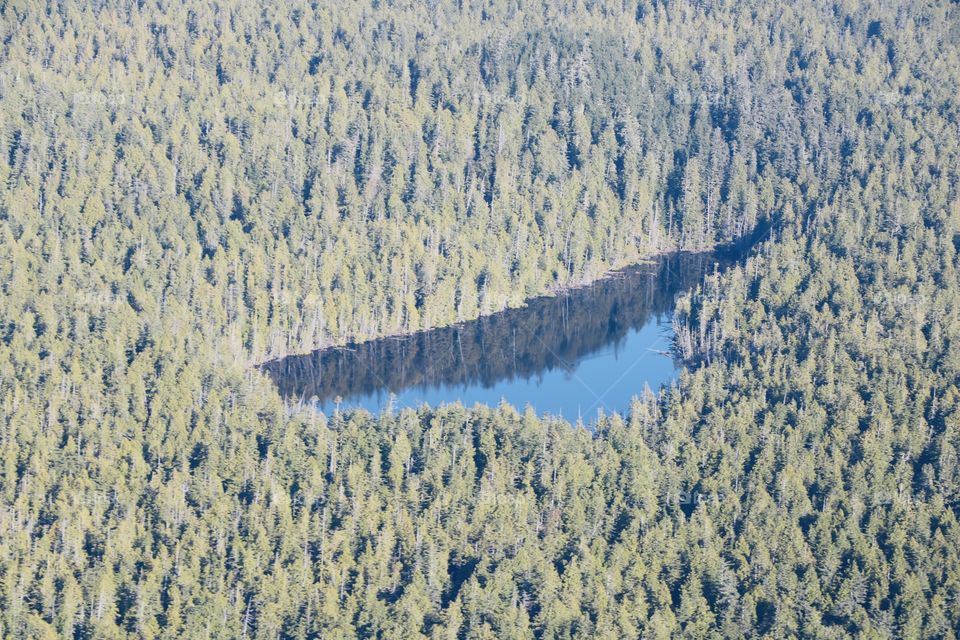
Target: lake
572	354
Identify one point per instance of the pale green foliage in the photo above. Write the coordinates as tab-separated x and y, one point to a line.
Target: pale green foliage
190	188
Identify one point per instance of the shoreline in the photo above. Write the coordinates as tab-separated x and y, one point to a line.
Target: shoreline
551	293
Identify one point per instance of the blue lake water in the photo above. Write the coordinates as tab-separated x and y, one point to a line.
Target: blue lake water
606	378
572	354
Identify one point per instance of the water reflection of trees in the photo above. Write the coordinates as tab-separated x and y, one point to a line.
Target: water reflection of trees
547	333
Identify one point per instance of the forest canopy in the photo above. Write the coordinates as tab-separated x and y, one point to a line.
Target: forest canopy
192	188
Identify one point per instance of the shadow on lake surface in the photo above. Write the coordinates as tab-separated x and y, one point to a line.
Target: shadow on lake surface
585	349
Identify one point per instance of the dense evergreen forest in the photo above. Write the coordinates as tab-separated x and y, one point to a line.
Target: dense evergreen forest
191	188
